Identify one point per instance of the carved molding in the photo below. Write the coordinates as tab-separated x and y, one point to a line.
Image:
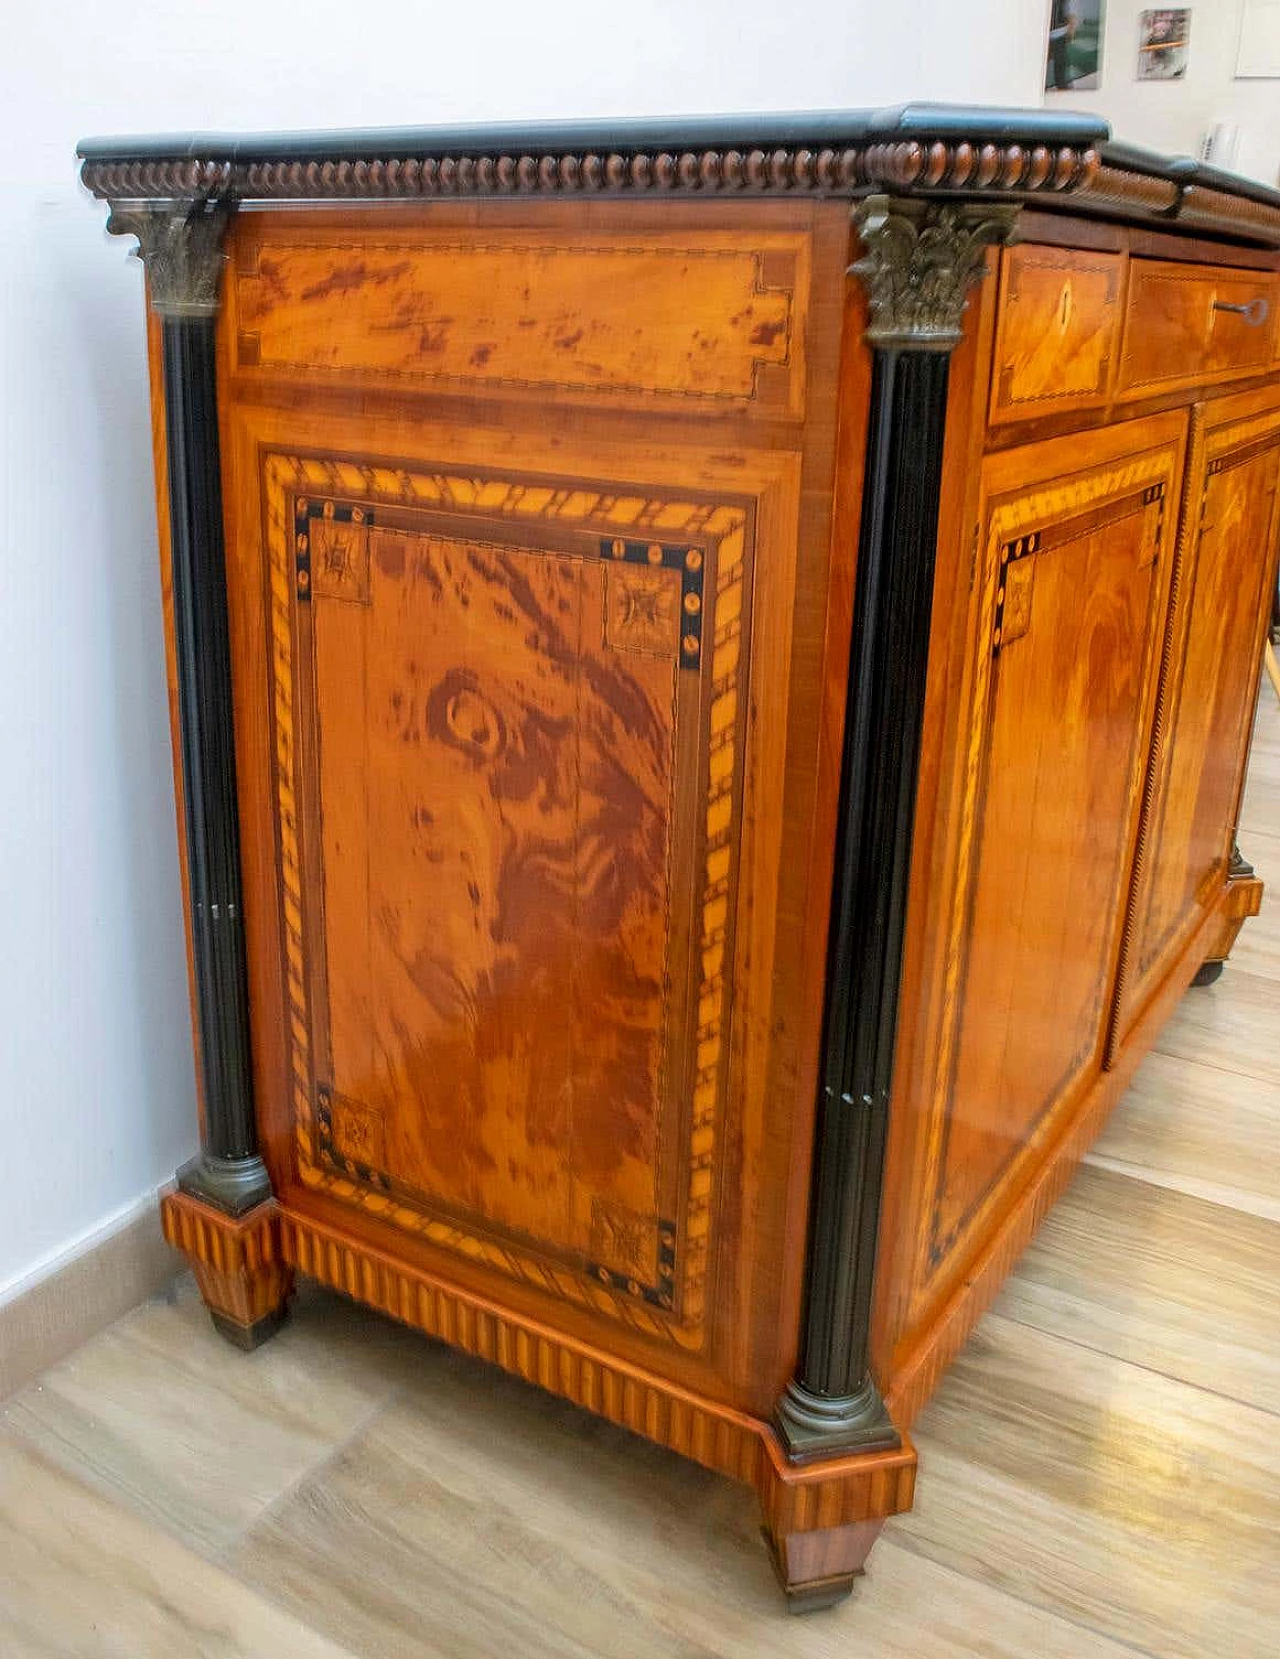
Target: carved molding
901	165
180	243
919	260
937	168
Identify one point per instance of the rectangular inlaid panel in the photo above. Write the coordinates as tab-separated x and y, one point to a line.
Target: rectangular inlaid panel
1071	621
1057	333
508	723
703	322
1226	572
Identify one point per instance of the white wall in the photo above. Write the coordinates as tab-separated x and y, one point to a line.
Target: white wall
1173	115
95	1075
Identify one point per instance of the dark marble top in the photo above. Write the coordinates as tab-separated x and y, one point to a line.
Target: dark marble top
841	151
766	131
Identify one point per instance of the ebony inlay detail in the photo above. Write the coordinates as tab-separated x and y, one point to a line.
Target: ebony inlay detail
356	1168
833	1403
305	509
689	561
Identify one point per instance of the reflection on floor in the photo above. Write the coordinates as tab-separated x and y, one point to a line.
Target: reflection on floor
1100	1472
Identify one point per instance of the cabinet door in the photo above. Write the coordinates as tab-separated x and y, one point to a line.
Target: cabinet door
1225	566
1073	586
514	750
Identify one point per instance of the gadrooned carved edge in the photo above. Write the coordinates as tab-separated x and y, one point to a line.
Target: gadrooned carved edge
939	168
180	243
919	260
902	165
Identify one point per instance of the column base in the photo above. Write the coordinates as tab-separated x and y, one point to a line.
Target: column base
236	1260
819	1425
233	1185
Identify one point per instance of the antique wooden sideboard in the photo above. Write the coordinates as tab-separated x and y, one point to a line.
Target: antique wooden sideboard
712	667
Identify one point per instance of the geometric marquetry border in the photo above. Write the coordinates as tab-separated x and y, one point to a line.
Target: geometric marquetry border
645	517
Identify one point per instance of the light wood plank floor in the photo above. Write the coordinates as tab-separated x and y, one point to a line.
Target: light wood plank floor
1100	1472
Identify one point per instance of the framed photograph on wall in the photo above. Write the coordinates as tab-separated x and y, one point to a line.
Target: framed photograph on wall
1258	57
1164	43
1074	57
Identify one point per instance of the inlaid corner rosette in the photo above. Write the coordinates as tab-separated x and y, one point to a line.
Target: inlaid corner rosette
180	243
918	263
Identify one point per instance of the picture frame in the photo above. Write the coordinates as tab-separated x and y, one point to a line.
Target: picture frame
1073	54
1164	43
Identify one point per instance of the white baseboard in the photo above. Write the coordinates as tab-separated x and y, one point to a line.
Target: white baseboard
71	1295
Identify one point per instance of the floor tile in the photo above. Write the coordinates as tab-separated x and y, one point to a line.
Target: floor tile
162	1412
477	1518
82	1578
1200	1129
1233	1025
1152	1276
1140	1507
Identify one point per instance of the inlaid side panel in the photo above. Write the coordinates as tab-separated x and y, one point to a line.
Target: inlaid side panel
703	323
1226	572
508	725
1069	625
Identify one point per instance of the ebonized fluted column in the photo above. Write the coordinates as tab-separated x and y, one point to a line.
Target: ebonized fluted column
917	264
180	243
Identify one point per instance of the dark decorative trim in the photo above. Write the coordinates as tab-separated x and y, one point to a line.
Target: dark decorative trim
180	242
918	263
304	510
229	1172
689	561
833	1404
182	250
328	1150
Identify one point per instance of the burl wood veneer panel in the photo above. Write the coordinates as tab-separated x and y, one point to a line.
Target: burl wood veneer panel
518	863
1057	338
705	322
515	708
1058	692
1225	574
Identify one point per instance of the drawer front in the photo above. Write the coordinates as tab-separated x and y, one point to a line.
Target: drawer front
698	323
1242	325
1058	331
1186	324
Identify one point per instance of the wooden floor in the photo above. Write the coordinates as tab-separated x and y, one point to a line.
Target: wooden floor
1099	1474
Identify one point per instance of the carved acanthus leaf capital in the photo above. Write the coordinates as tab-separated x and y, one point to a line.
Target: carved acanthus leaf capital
919	259
180	243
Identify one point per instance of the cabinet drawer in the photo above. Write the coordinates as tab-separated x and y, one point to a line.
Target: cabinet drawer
1190	323
1057	333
